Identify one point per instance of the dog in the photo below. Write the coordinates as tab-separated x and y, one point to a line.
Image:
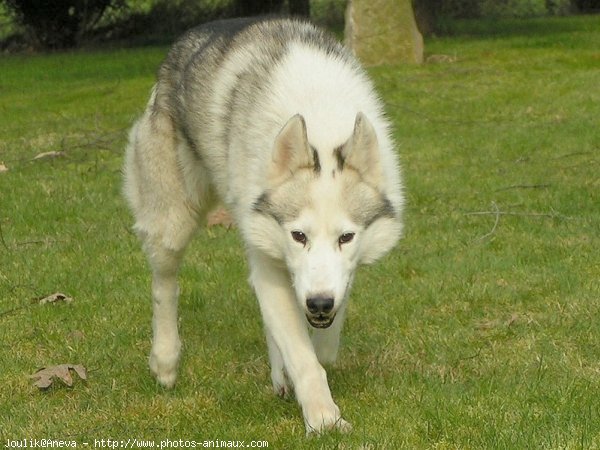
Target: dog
277	120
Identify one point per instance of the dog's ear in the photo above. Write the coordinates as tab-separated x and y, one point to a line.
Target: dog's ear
291	151
361	151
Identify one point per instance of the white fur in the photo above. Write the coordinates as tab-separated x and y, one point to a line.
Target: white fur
169	192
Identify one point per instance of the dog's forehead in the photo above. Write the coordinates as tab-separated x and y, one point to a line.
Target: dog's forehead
334	197
337	196
330	187
326	197
342	196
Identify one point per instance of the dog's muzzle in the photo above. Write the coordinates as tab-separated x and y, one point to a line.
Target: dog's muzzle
320	309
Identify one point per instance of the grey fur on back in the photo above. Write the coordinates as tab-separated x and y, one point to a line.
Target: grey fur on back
188	80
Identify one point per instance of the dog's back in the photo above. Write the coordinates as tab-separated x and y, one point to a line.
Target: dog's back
230	86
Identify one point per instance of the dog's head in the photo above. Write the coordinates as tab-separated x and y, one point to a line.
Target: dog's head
325	211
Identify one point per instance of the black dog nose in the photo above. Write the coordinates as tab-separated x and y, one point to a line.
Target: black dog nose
319	305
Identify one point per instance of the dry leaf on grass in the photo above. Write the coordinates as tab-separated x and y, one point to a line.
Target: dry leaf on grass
219	216
54	298
45	376
76	335
3	168
46	155
441	59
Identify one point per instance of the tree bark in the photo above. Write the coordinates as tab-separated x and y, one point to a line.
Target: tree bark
383	32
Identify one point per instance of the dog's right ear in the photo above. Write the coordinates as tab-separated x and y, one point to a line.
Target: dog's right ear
291	150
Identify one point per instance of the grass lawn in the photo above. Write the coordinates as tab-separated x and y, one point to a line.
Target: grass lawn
480	330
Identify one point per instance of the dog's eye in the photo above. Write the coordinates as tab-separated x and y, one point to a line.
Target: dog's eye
299	236
345	238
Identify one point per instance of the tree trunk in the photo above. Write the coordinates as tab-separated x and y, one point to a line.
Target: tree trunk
383	32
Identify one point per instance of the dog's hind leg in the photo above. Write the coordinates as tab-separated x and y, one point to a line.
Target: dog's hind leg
165	221
166	346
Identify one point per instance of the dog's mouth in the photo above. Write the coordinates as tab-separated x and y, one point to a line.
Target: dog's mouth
320	321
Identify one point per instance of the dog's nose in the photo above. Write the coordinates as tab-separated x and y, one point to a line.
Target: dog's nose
319	304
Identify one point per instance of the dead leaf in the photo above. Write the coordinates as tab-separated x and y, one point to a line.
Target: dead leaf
47	155
54	298
441	59
76	335
3	168
513	318
45	376
219	216
487	324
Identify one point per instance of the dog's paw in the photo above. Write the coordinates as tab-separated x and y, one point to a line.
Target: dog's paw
281	386
321	418
164	368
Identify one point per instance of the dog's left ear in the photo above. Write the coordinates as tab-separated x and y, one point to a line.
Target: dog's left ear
291	150
362	151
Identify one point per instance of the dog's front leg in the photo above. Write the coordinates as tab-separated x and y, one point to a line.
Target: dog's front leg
287	328
278	375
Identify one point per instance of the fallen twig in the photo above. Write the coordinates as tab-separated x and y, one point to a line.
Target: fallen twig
569	155
508	213
2	241
523	186
497	213
12	310
493	230
40	241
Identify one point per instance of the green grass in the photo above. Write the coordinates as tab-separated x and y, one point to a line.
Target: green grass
478	331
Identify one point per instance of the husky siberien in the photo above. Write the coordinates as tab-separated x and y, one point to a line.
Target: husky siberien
277	120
